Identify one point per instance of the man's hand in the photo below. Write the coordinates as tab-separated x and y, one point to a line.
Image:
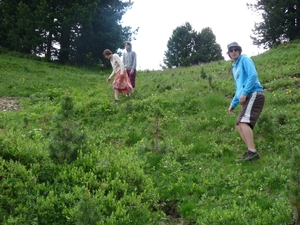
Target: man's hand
231	110
243	99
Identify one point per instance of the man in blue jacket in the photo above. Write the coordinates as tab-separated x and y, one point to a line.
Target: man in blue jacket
249	93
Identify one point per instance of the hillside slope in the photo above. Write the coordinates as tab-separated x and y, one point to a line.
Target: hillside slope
166	155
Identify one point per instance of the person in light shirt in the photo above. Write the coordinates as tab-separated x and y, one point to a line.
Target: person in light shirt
249	94
121	83
129	60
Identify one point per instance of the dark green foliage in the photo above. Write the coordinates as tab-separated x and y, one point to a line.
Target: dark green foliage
180	46
281	19
203	74
18	187
87	211
206	48
209	78
156	132
187	47
72	32
266	124
66	138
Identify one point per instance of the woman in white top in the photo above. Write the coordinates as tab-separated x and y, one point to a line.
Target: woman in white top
121	83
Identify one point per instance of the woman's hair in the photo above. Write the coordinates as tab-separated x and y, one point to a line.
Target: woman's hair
107	52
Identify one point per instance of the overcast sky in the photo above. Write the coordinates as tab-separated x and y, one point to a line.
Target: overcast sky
230	20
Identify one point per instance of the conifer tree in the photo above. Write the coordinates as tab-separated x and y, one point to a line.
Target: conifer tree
187	47
281	20
66	139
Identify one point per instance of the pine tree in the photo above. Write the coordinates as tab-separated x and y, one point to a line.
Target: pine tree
66	139
281	19
187	47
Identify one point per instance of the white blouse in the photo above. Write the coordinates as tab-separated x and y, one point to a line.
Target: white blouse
116	64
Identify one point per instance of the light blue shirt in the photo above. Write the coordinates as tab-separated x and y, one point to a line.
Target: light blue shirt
245	77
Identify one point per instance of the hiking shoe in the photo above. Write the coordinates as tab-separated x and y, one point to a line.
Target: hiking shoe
242	157
250	156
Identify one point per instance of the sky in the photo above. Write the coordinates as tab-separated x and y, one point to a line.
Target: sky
230	20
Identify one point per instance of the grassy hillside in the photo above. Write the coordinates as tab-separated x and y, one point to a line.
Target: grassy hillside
166	155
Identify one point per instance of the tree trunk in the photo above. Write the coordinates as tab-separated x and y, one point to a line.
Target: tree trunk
64	46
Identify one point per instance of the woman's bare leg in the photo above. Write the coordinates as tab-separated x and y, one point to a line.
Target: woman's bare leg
116	92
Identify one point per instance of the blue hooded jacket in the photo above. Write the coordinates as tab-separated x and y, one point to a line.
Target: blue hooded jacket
245	77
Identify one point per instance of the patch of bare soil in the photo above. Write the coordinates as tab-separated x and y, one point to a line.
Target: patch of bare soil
9	104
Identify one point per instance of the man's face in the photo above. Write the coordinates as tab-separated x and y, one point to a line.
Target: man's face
127	46
234	52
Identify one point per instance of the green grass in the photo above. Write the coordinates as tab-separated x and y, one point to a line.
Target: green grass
165	155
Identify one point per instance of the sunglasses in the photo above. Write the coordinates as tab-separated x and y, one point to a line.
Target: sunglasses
234	50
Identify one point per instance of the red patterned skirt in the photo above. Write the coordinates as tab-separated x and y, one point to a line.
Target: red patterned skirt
122	83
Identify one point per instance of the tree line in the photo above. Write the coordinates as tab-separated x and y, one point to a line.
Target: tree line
69	31
280	23
76	32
